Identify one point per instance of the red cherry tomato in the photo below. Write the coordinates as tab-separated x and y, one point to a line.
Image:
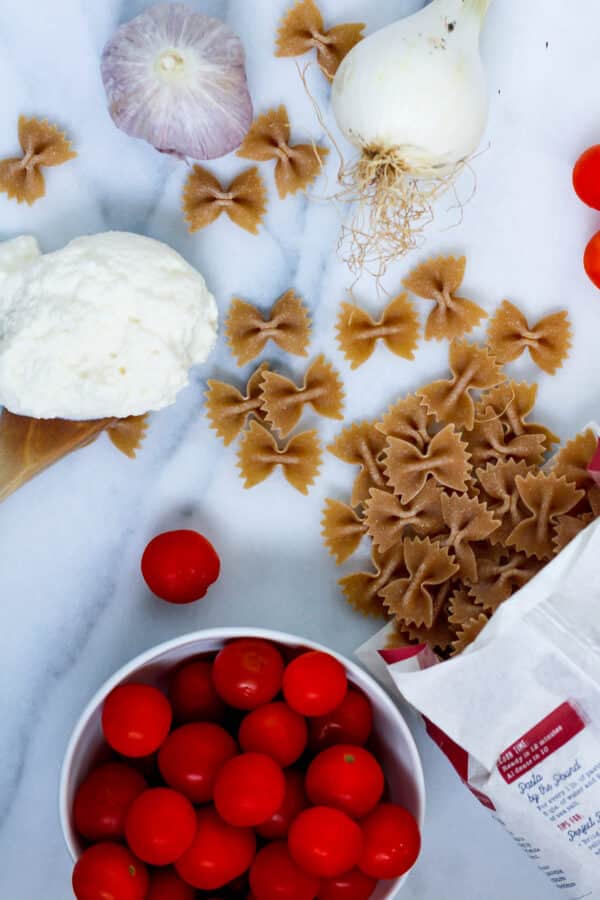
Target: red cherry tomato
249	789
248	672
353	885
391	842
136	719
349	723
102	801
294	801
591	260
218	854
191	757
180	566
345	777
165	884
109	870
276	730
586	177
160	826
275	876
193	695
314	683
325	842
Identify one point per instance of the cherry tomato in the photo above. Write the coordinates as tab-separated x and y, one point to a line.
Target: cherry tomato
586	177
248	672
325	842
591	260
191	757
276	730
314	683
349	723
180	566
218	854
275	876
165	884
391	842
294	801
193	695
249	789
345	777
102	801
352	885
136	719
109	871
160	826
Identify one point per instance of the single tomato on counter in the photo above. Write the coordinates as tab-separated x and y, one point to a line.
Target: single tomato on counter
136	719
275	876
349	723
165	884
193	695
591	260
276	730
109	870
218	854
103	799
248	673
249	789
352	885
345	777
314	683
192	756
180	566
294	801
391	842
586	177
325	842
160	826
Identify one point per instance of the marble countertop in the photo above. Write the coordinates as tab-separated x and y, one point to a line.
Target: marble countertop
73	606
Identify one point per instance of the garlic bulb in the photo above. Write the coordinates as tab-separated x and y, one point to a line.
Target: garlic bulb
177	79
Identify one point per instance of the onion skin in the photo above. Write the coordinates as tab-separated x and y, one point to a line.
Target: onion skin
177	79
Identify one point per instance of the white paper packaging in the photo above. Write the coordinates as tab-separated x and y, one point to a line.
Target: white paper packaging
518	713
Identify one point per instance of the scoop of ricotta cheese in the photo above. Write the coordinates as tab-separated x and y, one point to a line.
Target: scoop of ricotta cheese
108	326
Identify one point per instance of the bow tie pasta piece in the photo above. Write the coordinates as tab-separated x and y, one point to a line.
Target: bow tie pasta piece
228	409
461	608
244	201
467	634
498	483
43	145
546	497
548	342
473	368
469	521
501	573
568	527
446	460
438	280
358	333
410	598
387	518
259	455
296	166
283	402
488	442
512	403
288	326
362	590
302	29
342	530
573	462
361	445
409	420
128	434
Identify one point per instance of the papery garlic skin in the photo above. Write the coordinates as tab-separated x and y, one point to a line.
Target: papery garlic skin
108	326
177	79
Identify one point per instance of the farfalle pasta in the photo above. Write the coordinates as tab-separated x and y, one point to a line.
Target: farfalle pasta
283	401
358	333
411	598
488	441
547	497
363	590
302	29
259	455
43	145
342	528
446	460
361	445
387	519
297	165
548	342
501	573
439	279
468	521
497	482
228	410
244	200
287	325
511	403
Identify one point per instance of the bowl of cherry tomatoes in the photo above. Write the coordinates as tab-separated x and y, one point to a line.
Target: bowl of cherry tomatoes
251	764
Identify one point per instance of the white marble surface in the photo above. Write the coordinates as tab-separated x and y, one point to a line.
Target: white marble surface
73	606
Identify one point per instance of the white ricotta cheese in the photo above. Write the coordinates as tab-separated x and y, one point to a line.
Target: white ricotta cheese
108	326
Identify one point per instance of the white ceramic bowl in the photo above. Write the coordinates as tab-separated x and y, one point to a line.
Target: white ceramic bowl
396	749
